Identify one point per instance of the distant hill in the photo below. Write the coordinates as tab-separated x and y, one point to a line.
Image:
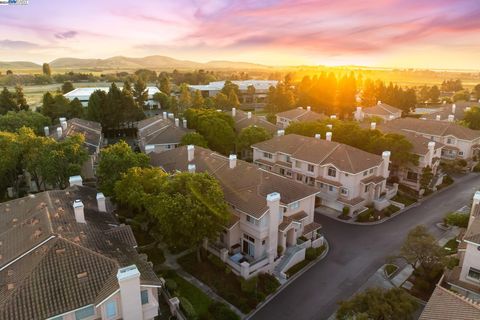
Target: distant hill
150	62
18	65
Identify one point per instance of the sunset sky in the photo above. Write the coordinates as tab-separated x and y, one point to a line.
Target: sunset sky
391	33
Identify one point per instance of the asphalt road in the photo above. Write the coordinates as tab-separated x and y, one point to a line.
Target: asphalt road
356	252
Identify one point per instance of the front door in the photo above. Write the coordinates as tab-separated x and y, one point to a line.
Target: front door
248	248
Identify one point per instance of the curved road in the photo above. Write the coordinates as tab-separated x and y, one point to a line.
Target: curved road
356	252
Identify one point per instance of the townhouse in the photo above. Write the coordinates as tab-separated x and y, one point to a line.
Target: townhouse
459	142
346	177
380	110
92	131
457	295
160	133
285	118
83	94
259	95
63	255
268	213
448	112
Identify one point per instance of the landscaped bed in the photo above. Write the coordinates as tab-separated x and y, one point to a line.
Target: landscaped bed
402	198
244	294
451	246
390	269
371	214
310	255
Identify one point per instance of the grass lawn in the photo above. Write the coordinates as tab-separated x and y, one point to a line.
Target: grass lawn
451	246
390	269
406	200
296	267
245	295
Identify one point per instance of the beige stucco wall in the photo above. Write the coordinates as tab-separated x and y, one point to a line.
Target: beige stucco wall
471	259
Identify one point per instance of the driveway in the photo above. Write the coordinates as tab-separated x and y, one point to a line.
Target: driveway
356	252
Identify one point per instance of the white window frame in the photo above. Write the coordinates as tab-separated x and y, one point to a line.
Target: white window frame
110	303
333	170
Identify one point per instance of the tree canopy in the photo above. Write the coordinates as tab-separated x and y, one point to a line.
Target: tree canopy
251	135
378	304
59	106
114	161
194	138
472	118
67	86
13	121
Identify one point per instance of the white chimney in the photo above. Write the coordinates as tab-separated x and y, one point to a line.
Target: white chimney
101	205
431	152
190	152
309	108
431	145
318	135
453	108
358	114
386	162
59	132
78	209
149	148
438	117
177	122
373	125
192	168
234	112
185	123
46	130
451	117
379	102
280	133
273	203
232	161
328	136
171	115
249	115
129	283
75	181
164	115
330	126
333	117
64	125
60	120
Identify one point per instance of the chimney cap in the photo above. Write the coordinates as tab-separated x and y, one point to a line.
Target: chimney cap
78	203
129	272
191	167
191	147
274	196
386	154
100	195
232	157
431	144
74	179
476	196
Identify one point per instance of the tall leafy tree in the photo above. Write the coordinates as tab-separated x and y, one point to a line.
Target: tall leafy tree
7	101
197	100
165	85
96	109
426	177
185	98
10	158
221	101
67	86
472	118
20	98
140	92
116	160
194	138
13	121
250	136
46	70
233	100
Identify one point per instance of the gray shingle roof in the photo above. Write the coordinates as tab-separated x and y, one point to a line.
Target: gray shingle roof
447	305
91	130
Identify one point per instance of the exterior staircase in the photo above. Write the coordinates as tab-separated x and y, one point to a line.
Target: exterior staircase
277	271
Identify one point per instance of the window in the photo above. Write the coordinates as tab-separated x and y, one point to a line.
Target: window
288	159
144	296
249	238
84	313
111	309
366	188
460	153
474	274
330	188
365	173
412	176
267	155
332	172
263	242
310	167
321	185
289	173
282	171
252	220
298	164
371	171
299	177
344	191
294	205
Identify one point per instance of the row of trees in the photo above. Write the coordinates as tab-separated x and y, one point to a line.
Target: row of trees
394	95
49	162
12	101
56	105
349	132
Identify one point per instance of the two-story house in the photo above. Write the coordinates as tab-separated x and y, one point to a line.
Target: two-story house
267	211
344	176
457	295
380	110
160	133
459	142
64	256
449	112
299	114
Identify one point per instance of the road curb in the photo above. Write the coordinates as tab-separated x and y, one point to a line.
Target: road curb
292	279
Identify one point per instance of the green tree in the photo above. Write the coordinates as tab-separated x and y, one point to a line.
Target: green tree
140	92
13	121
476	91
378	304
189	208
228	87
250	136
233	100
426	177
472	118
114	161
163	100
20	98
46	69
185	98
346	100
10	158
194	138
96	109
7	101
221	101
75	109
369	93
164	85
197	101
463	95
219	134
67	86
434	94
251	93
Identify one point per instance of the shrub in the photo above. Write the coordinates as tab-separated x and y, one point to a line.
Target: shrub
187	308
476	168
346	210
171	285
447	180
365	216
221	311
457	219
216	261
268	282
249	286
279	250
462	162
311	254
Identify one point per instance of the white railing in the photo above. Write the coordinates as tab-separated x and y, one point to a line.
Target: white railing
258	264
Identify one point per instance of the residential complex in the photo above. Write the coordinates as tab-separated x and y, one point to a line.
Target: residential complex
259	95
448	112
83	94
285	118
63	255
268	211
380	110
457	295
246	119
459	142
160	133
344	176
